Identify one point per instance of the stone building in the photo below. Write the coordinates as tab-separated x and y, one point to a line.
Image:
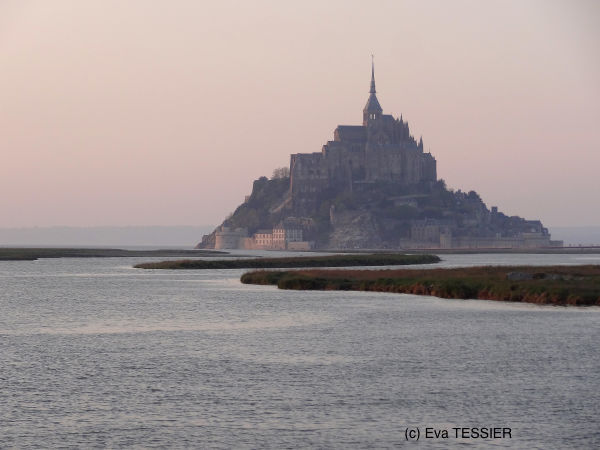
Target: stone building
381	149
281	237
263	239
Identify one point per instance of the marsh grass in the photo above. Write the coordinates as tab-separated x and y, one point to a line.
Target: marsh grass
346	260
561	285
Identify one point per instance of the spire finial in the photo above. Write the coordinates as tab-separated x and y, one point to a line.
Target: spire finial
372	90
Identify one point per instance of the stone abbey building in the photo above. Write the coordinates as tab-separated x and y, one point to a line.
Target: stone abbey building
381	149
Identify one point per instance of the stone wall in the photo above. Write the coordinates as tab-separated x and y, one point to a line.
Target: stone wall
227	238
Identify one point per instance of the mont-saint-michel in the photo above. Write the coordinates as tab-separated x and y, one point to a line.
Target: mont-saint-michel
372	187
351	299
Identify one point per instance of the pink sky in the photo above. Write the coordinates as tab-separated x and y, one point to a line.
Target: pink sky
162	113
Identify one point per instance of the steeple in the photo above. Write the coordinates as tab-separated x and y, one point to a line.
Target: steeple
372	91
372	109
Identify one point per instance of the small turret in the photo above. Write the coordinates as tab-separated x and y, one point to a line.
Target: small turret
372	109
420	146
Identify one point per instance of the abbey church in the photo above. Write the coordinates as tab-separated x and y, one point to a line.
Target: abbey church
372	187
381	149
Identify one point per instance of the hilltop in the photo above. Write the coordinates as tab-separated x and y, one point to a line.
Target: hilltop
381	215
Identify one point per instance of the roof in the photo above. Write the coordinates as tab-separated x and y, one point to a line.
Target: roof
350	133
373	105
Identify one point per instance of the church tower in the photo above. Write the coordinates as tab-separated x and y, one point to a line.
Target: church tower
372	109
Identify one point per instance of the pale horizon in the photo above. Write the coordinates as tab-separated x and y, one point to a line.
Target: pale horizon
159	113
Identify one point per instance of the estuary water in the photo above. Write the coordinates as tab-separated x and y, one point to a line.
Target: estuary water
94	353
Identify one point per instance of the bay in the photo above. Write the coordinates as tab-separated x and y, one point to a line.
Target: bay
94	353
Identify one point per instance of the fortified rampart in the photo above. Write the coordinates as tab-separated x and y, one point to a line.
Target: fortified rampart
228	238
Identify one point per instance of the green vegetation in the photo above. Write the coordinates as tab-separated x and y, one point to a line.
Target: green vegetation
31	254
346	260
560	285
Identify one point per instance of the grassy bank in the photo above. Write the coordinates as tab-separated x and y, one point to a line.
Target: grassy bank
560	285
31	254
303	261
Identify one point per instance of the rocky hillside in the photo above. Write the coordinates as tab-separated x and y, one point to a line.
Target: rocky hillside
375	215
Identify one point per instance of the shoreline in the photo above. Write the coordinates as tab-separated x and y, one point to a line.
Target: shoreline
35	253
475	251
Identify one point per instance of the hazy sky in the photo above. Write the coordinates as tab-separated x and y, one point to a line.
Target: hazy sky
163	112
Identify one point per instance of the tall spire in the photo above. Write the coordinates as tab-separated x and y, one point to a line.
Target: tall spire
372	109
372	91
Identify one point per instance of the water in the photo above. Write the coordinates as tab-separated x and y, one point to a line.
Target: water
94	353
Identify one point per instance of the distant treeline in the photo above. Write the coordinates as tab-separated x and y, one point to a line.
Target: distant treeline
560	285
347	260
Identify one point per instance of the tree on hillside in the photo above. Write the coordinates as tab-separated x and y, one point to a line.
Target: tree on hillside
281	172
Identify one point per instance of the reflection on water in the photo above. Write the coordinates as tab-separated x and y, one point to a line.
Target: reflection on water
94	353
134	326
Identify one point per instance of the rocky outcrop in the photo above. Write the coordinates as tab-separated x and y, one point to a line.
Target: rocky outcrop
354	230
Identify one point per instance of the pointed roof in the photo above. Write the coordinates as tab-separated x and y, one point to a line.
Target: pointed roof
372	90
373	105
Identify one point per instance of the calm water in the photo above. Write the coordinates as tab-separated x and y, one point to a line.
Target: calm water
94	353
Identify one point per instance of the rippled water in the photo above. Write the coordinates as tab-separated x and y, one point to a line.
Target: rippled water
94	353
